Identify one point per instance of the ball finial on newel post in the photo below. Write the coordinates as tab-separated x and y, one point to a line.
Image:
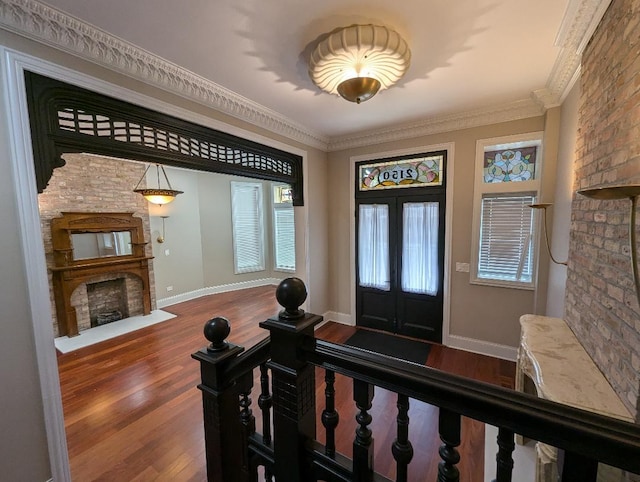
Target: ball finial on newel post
216	330
291	293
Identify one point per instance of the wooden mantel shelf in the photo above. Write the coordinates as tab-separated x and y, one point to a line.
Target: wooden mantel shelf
107	262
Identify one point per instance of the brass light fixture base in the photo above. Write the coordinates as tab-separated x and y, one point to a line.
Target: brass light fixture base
358	89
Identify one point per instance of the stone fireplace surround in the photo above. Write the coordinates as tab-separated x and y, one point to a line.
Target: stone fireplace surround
126	298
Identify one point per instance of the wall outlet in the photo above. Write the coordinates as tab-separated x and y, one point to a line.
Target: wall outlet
167	252
169	288
462	267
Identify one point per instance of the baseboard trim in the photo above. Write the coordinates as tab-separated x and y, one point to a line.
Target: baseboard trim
342	318
211	290
495	350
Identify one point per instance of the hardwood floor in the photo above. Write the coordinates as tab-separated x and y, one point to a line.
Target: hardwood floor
133	412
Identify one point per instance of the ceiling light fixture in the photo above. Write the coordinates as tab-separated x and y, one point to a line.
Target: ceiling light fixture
157	195
358	61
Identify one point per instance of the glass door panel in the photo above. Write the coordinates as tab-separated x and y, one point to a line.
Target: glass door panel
420	270
373	245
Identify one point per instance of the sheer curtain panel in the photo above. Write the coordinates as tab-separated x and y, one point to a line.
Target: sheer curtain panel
420	248
373	242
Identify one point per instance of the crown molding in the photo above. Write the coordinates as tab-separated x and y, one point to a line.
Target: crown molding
52	27
47	25
442	123
580	20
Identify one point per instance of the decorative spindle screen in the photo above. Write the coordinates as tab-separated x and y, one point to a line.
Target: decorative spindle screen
67	119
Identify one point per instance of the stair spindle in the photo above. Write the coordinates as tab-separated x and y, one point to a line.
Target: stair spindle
504	460
265	402
330	416
449	427
575	467
363	443
246	414
402	449
268	476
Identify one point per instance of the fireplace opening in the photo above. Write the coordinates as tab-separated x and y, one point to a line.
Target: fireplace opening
107	301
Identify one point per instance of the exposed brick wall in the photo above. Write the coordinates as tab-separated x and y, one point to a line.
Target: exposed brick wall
94	184
601	305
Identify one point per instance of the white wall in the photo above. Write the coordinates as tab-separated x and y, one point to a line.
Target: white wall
559	220
182	268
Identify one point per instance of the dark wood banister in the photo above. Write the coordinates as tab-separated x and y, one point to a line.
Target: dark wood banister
585	437
611	441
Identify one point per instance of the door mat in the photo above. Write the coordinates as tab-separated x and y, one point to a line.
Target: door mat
390	345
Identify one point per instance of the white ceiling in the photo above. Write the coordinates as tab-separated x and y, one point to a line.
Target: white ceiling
466	54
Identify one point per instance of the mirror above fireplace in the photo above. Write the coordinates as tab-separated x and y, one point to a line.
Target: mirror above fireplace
100	245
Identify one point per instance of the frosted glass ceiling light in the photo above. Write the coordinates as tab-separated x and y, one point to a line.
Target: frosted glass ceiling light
358	61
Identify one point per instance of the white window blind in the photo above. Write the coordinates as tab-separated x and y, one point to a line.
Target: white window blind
248	226
284	238
506	229
373	246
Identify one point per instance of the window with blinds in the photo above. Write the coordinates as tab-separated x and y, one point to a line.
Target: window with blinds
506	230
248	227
284	237
508	171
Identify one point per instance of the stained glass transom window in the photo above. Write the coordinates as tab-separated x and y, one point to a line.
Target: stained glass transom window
417	172
510	165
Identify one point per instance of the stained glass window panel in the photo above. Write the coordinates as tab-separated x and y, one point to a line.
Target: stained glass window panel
510	165
417	172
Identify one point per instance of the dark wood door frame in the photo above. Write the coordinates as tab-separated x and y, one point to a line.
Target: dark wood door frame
411	194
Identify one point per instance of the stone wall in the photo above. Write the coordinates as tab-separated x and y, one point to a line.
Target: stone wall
601	305
93	184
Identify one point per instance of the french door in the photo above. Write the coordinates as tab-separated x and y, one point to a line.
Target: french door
400	261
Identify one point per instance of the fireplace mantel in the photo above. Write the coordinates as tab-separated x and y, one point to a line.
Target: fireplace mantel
71	270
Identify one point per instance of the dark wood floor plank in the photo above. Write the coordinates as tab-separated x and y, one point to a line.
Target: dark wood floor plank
133	412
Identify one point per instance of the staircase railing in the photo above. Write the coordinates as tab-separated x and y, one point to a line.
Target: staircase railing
287	448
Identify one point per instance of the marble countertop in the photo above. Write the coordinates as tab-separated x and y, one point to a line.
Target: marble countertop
551	355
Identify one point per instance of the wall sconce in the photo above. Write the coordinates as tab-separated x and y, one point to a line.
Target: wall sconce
157	195
631	192
161	237
543	207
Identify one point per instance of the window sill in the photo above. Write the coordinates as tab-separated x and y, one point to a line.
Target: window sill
495	283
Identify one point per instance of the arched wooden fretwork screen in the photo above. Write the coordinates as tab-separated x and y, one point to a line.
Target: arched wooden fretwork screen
68	119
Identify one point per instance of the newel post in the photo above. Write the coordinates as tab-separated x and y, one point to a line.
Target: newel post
293	382
222	425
